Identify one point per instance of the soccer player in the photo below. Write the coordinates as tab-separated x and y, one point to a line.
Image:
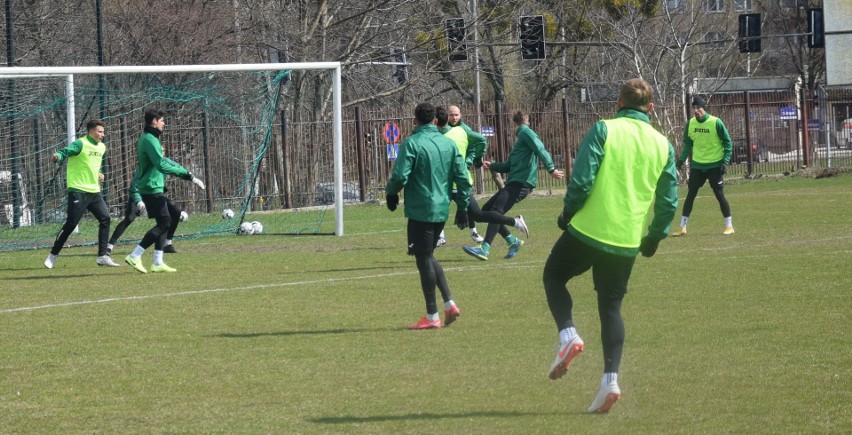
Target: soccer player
707	144
522	167
427	164
83	180
622	166
149	181
472	147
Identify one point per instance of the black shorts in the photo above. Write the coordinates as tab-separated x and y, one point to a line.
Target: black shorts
697	178
157	205
423	236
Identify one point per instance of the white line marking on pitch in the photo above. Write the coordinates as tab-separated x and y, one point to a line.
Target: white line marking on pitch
253	287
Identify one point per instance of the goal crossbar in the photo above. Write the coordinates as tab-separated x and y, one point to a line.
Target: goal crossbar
337	105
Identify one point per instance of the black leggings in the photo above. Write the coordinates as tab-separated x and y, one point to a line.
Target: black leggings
131	212
697	178
167	215
431	276
497	206
571	257
78	203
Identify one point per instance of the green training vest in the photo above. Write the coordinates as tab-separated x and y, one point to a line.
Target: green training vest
459	136
706	143
83	169
634	158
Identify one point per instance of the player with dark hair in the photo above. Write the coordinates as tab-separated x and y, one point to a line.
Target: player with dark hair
472	147
622	166
426	166
83	180
707	144
149	181
522	167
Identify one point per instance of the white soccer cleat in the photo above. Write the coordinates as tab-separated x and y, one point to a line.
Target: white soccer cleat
441	242
606	397
521	224
566	353
476	237
48	262
106	260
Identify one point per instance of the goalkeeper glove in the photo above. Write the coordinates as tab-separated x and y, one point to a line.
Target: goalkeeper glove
198	182
393	201
723	169
563	219
648	246
142	211
461	219
477	162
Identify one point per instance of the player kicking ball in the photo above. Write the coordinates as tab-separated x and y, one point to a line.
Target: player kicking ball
149	181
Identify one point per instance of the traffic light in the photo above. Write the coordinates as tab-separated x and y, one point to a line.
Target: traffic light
816	28
749	28
456	35
399	70
531	36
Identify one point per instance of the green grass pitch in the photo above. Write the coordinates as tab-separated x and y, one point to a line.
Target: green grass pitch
747	333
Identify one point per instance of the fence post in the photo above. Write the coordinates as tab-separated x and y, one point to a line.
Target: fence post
205	134
748	150
284	148
359	149
568	150
806	149
38	174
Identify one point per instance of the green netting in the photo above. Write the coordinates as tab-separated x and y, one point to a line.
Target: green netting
222	127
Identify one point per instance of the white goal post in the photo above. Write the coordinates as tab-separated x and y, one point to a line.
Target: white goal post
337	109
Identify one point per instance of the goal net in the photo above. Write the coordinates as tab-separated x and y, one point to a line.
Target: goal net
226	124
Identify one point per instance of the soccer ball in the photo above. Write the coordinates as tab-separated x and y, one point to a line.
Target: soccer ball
257	227
184	216
245	229
227	214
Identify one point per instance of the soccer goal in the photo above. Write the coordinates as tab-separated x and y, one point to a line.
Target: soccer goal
227	124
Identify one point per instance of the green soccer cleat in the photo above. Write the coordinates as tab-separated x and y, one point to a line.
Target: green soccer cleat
162	267
513	249
476	251
136	263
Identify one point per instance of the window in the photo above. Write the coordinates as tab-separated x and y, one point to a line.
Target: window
714	5
673	5
743	5
714	40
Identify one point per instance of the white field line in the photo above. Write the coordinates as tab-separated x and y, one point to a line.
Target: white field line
258	287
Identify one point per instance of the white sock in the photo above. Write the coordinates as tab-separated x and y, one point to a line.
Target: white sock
473	231
168	242
109	246
449	304
158	257
609	378
729	221
51	257
432	317
567	334
442	235
137	252
683	220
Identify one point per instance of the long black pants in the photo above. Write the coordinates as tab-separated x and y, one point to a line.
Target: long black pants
78	203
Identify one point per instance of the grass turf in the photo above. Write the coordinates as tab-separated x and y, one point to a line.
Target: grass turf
744	333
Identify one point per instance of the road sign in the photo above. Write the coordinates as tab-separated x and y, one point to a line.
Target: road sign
488	130
814	124
391	133
393	151
789	113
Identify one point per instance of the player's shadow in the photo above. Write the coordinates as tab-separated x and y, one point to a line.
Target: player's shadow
56	276
347	419
299	332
